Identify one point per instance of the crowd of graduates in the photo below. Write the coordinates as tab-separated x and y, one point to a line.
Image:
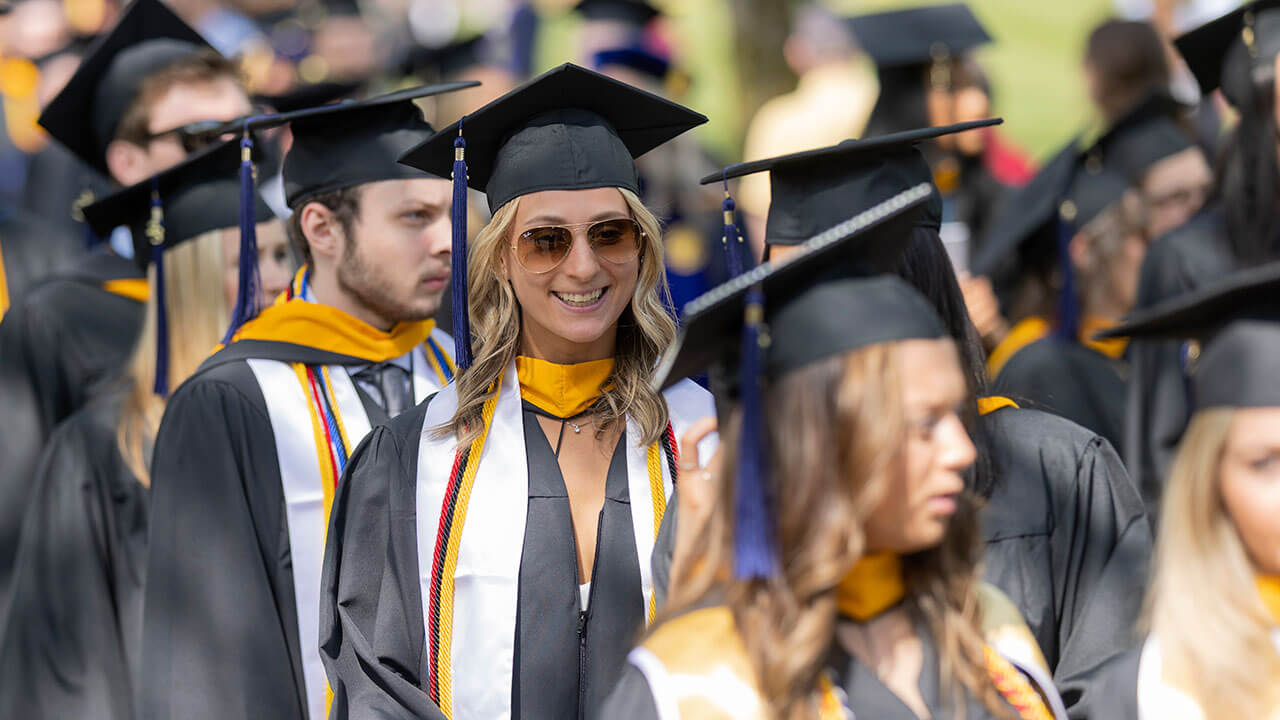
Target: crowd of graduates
328	393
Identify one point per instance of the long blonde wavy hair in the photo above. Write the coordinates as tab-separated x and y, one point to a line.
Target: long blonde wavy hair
1203	603
197	314
644	330
836	447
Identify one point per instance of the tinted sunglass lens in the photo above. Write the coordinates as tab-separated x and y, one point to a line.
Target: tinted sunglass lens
541	249
617	241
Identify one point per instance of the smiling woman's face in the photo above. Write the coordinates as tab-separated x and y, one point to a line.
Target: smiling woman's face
570	313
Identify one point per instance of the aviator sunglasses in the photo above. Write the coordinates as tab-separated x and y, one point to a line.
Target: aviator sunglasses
541	249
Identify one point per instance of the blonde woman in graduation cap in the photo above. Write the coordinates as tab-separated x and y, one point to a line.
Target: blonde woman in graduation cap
1213	608
490	550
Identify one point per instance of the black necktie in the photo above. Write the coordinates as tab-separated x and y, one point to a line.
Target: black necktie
389	385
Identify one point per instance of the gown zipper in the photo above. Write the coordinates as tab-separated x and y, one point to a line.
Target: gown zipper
583	616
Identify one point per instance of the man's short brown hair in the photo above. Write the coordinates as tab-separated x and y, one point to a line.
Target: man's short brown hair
201	67
344	203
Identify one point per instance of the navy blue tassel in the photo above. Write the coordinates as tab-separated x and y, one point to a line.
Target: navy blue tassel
155	233
461	317
1068	325
754	555
247	293
734	251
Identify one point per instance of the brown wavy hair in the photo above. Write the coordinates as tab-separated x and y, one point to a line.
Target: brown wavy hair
645	329
836	447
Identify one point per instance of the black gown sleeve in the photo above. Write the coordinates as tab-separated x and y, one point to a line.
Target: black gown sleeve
631	697
1118	687
58	348
1084	590
371	633
70	644
1102	543
219	621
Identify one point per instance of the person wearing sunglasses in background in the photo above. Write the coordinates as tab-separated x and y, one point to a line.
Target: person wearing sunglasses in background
250	447
70	646
490	551
150	74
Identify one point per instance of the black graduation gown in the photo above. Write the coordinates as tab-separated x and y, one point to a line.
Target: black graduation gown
1067	540
978	200
371	629
32	250
220	624
70	645
56	178
1118	687
1157	409
57	349
1070	380
863	693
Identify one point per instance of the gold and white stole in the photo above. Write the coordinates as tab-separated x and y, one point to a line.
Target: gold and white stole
470	646
309	470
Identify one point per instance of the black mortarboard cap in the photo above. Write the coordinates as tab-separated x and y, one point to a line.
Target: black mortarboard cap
1041	218
632	12
192	198
712	323
86	114
308	96
1235	49
334	146
1142	137
351	143
196	196
917	36
567	129
817	189
1233	357
1073	187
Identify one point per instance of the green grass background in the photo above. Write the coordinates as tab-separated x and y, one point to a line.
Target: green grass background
1034	63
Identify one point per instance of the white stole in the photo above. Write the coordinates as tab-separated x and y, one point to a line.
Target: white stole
1158	700
290	413
486	579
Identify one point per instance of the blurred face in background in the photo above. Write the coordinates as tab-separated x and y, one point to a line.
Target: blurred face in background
1175	189
1249	473
275	262
34	28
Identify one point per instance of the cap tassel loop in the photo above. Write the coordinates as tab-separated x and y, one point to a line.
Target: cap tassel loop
754	554
247	292
1068	325
461	317
155	234
734	250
